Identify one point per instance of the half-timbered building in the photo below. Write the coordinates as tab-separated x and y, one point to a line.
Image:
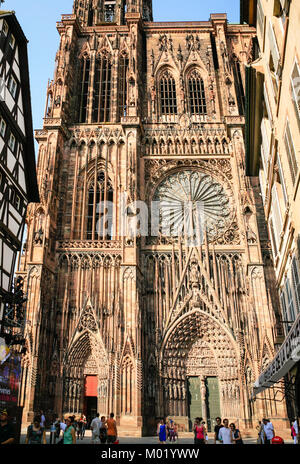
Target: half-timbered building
18	181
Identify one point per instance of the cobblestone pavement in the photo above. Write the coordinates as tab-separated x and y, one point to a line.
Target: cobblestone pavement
140	441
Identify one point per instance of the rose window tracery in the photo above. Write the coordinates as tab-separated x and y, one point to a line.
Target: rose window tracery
191	202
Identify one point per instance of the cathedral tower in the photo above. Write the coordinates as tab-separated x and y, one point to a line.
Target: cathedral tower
126	317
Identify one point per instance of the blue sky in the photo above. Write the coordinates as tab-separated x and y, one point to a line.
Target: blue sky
38	20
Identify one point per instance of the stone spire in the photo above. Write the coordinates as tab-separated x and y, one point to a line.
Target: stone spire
97	12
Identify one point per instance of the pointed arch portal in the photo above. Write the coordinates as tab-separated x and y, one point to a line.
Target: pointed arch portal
86	369
199	369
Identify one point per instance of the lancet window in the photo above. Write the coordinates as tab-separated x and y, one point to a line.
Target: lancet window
84	88
102	89
99	210
123	72
168	98
196	94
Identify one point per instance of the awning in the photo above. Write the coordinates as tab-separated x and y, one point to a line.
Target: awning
287	356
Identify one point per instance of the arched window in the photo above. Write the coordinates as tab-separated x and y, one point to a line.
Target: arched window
100	209
84	88
168	99
123	71
196	94
102	89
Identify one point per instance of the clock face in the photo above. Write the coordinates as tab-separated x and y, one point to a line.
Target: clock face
190	203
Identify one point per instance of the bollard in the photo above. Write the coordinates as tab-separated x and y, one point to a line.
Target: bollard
52	434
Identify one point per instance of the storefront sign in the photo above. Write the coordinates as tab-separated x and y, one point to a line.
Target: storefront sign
286	358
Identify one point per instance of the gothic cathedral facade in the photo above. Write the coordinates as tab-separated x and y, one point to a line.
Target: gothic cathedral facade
142	324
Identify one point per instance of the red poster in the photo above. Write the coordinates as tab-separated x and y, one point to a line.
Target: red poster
91	384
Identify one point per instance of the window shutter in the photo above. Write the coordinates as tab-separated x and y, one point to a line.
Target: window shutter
268	104
273	47
276	213
291	305
290	151
296	281
295	84
260	17
265	145
282	180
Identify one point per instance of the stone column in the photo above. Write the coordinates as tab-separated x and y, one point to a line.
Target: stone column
203	398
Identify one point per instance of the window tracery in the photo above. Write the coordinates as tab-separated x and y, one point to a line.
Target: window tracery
102	88
168	97
196	93
99	214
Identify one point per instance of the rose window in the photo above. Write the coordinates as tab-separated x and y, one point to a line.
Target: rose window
190	203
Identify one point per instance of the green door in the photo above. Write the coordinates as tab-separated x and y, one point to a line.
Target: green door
194	399
212	402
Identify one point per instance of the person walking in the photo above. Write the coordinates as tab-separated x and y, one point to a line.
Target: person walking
162	432
269	431
95	428
7	431
236	435
217	428
36	433
200	432
295	431
225	434
83	423
103	430
261	433
69	433
43	419
112	432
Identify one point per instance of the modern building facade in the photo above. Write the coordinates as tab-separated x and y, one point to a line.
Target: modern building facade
130	312
273	154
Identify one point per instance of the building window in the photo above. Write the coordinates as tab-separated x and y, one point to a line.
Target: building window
15	200
12	142
295	87
12	41
123	70
296	281
12	86
2	127
5	28
168	99
109	11
196	92
260	18
102	89
84	88
291	152
99	211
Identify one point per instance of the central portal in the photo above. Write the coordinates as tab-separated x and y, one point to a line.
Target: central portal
203	400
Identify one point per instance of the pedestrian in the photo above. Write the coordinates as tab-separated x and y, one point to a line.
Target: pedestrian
225	434
206	436
295	431
196	422
269	431
103	430
95	427
200	432
236	435
112	432
69	433
43	419
218	426
162	432
36	433
7	431
82	422
261	433
171	431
